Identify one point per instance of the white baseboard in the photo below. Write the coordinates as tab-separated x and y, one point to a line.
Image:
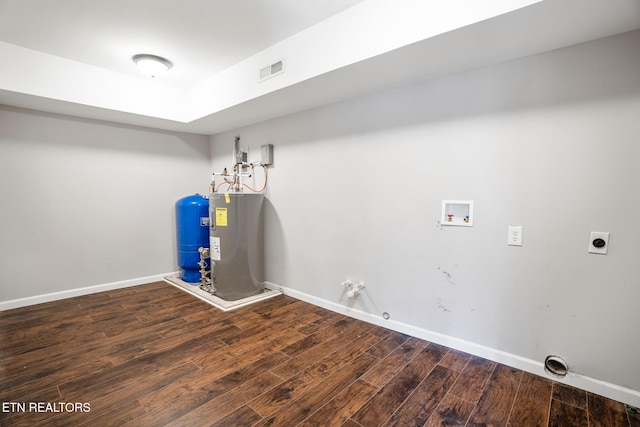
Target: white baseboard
602	388
54	296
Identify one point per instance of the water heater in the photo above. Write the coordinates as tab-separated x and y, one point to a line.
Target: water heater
236	244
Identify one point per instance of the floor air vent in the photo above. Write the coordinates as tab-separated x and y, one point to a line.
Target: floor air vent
272	70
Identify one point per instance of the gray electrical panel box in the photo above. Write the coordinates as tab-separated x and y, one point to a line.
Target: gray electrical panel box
267	154
241	157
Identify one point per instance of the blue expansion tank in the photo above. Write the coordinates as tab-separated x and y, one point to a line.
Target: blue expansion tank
192	233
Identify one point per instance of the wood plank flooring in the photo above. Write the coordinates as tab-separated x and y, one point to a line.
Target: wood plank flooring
153	355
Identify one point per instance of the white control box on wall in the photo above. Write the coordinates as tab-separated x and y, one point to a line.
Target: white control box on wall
457	212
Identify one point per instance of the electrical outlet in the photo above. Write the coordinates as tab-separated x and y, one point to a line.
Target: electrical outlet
515	235
598	242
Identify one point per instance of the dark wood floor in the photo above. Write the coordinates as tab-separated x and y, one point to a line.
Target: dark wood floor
153	355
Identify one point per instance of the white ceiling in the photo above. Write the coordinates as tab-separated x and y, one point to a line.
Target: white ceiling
200	37
333	50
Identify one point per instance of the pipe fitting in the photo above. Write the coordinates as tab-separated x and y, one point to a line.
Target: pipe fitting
353	289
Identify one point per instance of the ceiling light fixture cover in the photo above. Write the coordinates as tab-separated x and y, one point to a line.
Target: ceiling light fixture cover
152	65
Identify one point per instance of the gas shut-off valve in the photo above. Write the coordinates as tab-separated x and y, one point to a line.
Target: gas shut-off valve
353	289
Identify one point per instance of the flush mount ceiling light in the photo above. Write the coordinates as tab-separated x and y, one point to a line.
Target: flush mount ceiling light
152	65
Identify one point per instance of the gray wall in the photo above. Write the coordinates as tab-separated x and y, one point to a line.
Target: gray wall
549	142
87	203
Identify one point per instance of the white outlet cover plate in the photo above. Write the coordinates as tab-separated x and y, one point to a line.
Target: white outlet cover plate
598	235
515	235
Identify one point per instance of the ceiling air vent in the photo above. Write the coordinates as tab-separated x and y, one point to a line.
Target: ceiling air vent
271	71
